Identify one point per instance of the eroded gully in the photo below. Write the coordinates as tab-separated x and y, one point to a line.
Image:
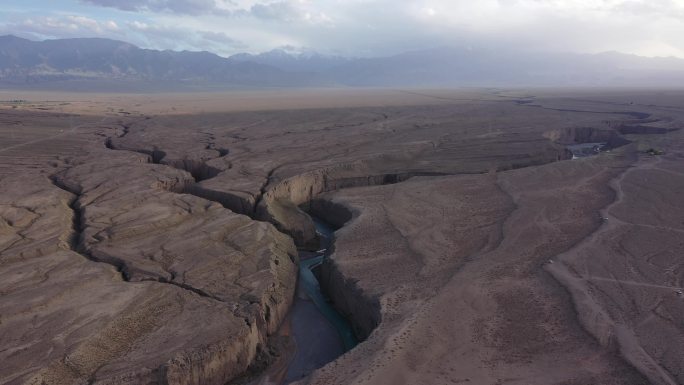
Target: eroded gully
318	333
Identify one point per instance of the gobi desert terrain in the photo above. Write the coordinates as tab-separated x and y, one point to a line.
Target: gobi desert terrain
480	237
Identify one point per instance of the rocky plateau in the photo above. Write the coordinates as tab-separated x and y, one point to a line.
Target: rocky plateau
155	239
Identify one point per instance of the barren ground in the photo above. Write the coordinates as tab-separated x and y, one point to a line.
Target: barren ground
152	239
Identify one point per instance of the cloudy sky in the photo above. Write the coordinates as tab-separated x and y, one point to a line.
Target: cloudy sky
359	27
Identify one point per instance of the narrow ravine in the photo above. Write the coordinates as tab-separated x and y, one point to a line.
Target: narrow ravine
319	332
77	246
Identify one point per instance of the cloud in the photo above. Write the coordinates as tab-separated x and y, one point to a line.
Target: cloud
182	38
191	7
280	10
369	27
273	10
63	26
143	33
157	32
222	39
658	8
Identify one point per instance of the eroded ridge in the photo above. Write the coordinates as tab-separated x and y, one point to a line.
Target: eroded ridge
270	167
111	207
450	211
486	280
647	271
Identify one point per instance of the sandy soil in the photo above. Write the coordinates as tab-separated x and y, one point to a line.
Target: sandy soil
151	238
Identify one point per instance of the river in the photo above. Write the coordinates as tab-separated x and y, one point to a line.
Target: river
320	333
582	150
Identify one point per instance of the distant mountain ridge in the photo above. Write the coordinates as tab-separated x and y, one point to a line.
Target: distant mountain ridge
501	67
25	62
95	63
294	62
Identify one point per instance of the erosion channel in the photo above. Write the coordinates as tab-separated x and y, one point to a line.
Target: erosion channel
320	333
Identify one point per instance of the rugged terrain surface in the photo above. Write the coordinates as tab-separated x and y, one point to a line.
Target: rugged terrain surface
152	240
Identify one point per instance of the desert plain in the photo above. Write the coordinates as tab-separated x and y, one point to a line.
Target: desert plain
157	238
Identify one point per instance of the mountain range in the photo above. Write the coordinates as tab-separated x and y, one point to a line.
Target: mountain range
103	64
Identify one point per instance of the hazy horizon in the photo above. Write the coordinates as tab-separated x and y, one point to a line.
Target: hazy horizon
359	28
295	51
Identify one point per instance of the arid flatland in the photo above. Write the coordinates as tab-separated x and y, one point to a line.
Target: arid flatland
155	239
